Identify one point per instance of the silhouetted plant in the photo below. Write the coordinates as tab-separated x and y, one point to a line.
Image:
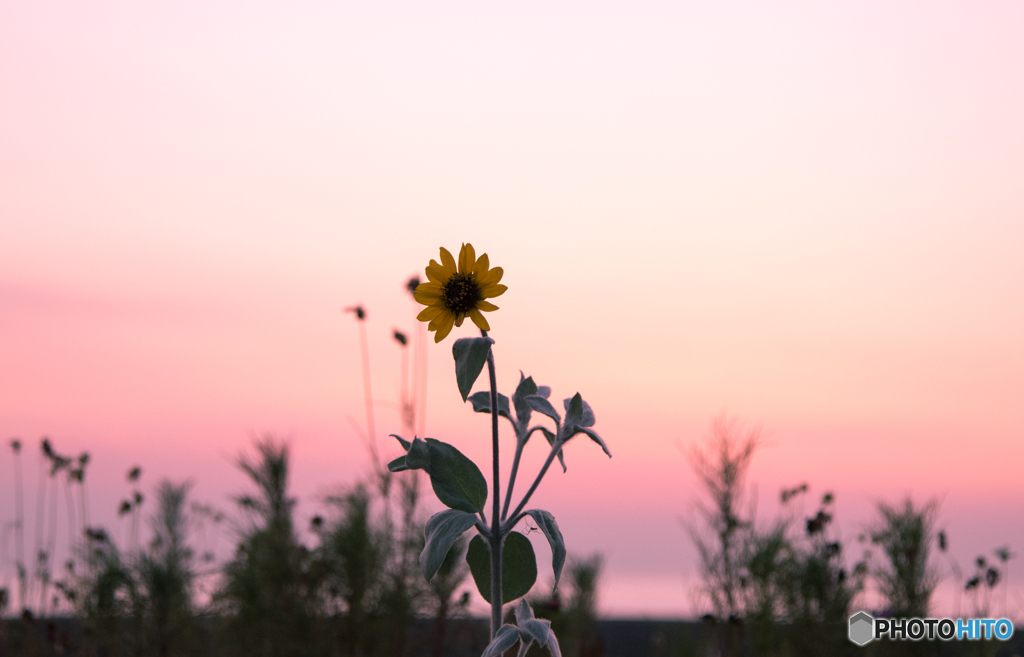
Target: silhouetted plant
351	559
818	589
106	598
721	469
905	533
502	561
265	595
572	609
166	574
578	636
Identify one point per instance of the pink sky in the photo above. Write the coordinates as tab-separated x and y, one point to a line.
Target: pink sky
808	217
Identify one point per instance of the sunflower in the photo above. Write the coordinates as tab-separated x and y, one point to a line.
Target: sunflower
453	292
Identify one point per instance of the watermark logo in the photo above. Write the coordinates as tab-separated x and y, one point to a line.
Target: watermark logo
865	628
862	628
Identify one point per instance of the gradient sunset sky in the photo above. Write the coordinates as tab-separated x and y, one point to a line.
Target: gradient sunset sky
807	216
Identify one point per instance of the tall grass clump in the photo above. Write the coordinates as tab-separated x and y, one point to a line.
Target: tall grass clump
265	598
907	579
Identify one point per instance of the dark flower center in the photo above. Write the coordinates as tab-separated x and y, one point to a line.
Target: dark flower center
460	293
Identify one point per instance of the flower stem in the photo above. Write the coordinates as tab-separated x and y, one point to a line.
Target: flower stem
495	537
512	478
368	396
536	482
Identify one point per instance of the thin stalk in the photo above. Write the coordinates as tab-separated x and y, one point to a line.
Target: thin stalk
495	538
72	521
512	477
19	527
366	388
84	499
408	409
51	546
421	398
40	524
536	482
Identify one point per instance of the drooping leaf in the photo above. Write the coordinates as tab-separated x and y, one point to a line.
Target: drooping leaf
518	566
543	391
538	630
542	405
597	439
546	523
470	357
456	480
551	441
441	532
553	646
482	403
504	638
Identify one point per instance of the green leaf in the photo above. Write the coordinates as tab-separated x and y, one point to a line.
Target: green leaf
470	357
537	630
418	457
525	389
578	412
504	638
402	441
441	532
546	523
597	439
482	403
551	441
524	612
398	465
542	405
518	566
456	480
530	628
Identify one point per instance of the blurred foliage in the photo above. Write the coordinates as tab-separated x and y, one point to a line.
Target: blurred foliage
351	584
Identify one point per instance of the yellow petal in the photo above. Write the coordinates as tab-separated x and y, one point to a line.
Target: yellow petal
447	260
436	273
429	313
426	297
467	258
479	320
486	306
482	264
493	291
493	276
443	327
460	318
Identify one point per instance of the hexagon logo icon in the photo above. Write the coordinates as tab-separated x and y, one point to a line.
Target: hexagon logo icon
862	628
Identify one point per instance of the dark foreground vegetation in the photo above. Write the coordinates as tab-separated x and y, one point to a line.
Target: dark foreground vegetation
467	637
351	587
350	584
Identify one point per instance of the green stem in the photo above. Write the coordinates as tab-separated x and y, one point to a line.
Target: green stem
495	537
512	477
536	482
